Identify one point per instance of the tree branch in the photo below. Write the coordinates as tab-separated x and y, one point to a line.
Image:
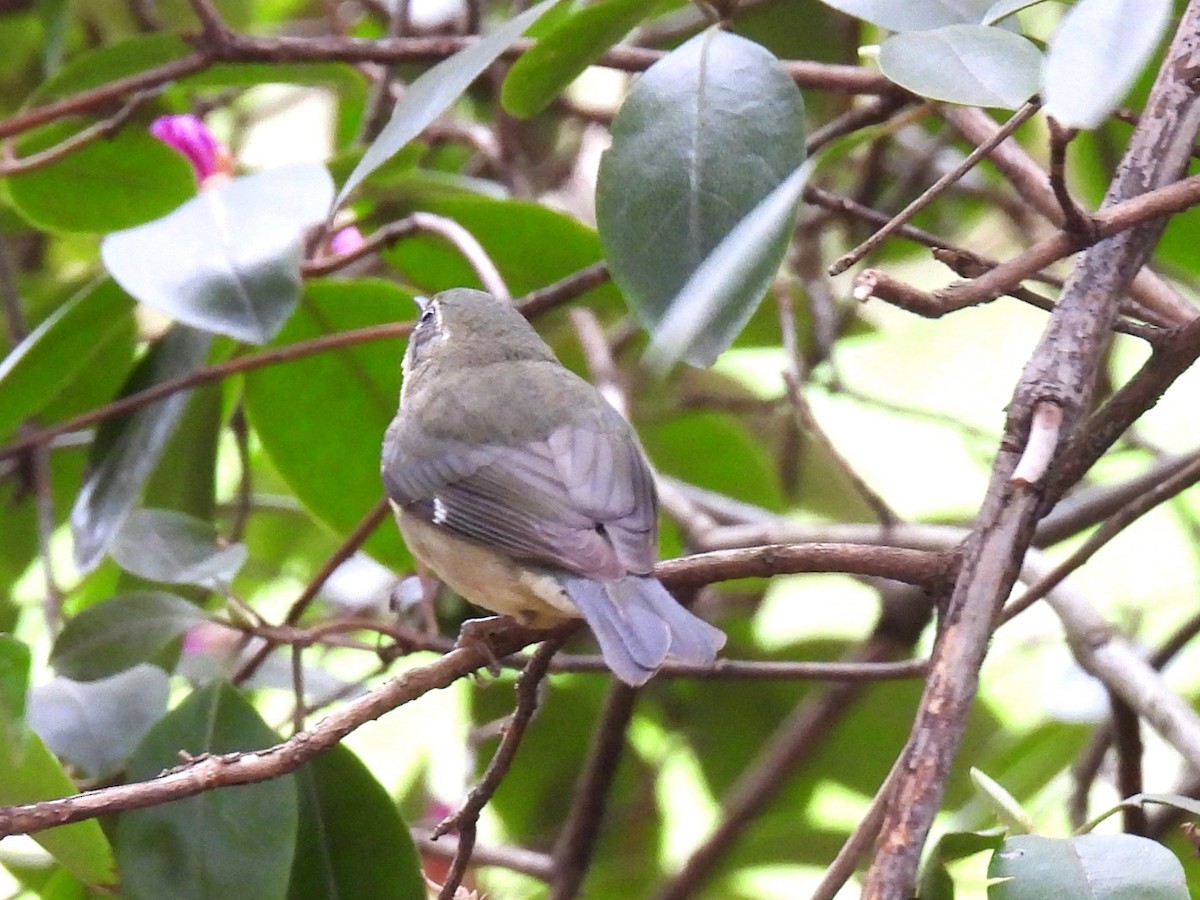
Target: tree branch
1062	370
211	772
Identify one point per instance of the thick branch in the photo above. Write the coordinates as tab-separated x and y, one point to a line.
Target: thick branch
1063	371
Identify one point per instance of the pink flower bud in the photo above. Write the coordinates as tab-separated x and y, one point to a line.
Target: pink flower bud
346	240
209	638
191	137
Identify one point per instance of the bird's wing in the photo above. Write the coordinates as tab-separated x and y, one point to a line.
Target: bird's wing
583	498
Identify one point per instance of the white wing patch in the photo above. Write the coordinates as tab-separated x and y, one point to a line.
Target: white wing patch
439	511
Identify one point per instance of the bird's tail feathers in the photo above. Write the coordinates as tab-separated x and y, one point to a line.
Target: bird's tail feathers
639	625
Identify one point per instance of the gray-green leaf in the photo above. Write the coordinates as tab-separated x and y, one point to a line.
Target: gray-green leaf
975	65
164	545
914	15
228	260
1096	55
234	842
95	725
127	450
1003	8
722	294
1087	867
704	137
117	634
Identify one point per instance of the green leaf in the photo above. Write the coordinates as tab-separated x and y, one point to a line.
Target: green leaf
1088	867
126	450
164	545
717	301
45	364
431	94
705	135
228	260
14	684
560	56
115	182
321	418
118	633
1004	804
31	773
352	841
185	478
975	65
95	725
732	463
230	842
914	15
1097	54
936	883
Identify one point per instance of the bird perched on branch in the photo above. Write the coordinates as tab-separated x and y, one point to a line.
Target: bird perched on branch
519	485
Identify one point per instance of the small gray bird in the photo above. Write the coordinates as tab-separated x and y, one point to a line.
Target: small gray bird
526	492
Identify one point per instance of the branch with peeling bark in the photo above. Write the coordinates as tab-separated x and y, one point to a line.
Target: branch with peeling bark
1063	370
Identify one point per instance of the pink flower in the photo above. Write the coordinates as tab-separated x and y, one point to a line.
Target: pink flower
346	240
191	137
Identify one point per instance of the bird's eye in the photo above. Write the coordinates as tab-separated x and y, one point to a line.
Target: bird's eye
427	316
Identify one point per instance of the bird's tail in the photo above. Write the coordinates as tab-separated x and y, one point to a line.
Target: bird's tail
639	626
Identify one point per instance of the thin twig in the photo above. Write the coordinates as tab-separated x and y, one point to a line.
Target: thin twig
1074	219
464	821
1087	765
844	262
877	110
1159	301
599	358
838	872
103	129
210	19
380	103
348	548
420	223
1109	221
792	377
763	670
245	489
232	47
43	489
1113	526
468	245
515	859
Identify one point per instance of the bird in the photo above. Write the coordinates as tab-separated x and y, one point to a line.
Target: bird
517	483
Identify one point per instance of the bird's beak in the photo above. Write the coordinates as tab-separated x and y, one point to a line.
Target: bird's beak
422	303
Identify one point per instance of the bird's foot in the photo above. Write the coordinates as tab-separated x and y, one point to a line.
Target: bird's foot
478	634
